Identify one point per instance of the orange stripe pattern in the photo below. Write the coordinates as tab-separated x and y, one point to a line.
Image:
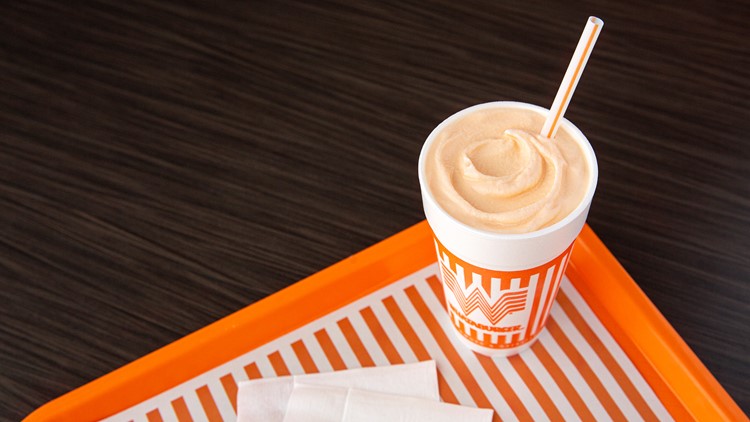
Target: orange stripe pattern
208	404
230	388
411	321
304	357
154	416
181	410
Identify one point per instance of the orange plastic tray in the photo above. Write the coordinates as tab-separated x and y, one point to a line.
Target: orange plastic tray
675	376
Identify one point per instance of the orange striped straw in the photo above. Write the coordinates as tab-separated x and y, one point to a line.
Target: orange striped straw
572	75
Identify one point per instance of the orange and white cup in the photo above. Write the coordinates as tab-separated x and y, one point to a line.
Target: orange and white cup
499	288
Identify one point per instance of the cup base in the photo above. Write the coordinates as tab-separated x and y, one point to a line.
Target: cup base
486	351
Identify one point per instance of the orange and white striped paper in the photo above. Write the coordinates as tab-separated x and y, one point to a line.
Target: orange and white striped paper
575	371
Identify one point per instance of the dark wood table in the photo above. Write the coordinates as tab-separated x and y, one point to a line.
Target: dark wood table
163	165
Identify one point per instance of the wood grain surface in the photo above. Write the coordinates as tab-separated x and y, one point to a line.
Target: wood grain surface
165	164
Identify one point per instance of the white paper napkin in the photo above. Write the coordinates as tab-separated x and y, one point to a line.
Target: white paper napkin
315	403
312	403
266	399
365	406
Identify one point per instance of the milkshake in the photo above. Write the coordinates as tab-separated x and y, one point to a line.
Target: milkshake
505	205
491	169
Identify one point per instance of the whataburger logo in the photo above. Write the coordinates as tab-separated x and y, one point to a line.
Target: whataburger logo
510	301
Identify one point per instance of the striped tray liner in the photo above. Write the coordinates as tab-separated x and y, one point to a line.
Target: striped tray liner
576	371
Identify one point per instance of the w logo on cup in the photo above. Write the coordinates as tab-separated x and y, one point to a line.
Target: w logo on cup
499	309
509	301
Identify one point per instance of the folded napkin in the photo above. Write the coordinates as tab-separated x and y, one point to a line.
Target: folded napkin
267	399
365	406
315	403
312	403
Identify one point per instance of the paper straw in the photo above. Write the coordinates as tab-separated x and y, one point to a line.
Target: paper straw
572	75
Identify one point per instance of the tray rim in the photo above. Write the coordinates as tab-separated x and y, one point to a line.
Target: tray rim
678	377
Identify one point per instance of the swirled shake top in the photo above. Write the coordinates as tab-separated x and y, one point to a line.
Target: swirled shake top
492	170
